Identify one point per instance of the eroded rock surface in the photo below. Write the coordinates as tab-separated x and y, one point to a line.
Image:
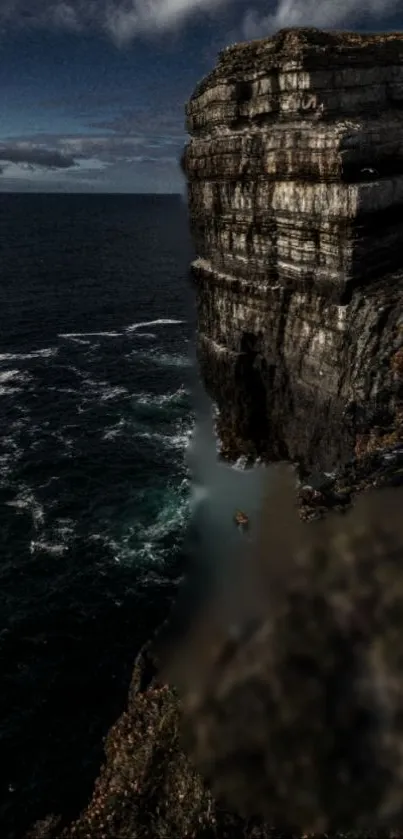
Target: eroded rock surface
295	184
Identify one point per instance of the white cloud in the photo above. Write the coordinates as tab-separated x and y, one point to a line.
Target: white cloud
124	21
121	19
325	14
65	17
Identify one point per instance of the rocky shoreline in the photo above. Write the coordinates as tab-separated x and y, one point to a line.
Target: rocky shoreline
299	283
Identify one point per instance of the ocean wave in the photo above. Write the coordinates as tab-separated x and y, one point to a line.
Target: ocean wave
134	327
76	340
162	359
25	500
113	392
8	375
171	519
47	547
179	439
101	392
115	430
173	515
167	360
15	376
161	400
76	336
48	352
11	381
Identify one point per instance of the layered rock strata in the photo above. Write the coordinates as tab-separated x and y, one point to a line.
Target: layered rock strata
295	188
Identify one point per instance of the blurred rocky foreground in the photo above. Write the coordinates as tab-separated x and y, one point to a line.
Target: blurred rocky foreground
286	715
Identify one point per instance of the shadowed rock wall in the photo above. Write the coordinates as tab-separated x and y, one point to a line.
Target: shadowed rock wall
295	189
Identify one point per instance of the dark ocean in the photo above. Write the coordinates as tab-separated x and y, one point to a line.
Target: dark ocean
97	322
112	499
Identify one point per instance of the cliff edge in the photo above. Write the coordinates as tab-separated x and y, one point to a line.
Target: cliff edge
295	189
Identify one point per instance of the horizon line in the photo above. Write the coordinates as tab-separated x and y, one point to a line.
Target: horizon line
93	192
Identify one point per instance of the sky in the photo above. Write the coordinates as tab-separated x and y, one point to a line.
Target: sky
92	92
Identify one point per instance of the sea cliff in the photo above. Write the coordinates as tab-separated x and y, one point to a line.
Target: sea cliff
295	184
295	188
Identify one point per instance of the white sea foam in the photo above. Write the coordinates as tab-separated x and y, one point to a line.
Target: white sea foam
113	392
241	464
11	381
134	327
160	400
162	359
48	352
173	516
114	431
8	375
25	500
46	547
179	439
393	454
76	340
7	391
166	360
78	335
56	540
142	543
101	391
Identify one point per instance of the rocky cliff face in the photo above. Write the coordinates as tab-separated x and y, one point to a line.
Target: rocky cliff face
295	188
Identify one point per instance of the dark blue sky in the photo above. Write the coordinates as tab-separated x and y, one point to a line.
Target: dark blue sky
92	92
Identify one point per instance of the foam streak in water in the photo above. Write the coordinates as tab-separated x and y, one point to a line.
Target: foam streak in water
48	352
159	322
76	335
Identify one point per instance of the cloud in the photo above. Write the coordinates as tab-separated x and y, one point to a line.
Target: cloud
31	156
325	14
113	163
123	20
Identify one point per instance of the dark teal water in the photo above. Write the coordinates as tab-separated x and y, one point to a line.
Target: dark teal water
96	371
